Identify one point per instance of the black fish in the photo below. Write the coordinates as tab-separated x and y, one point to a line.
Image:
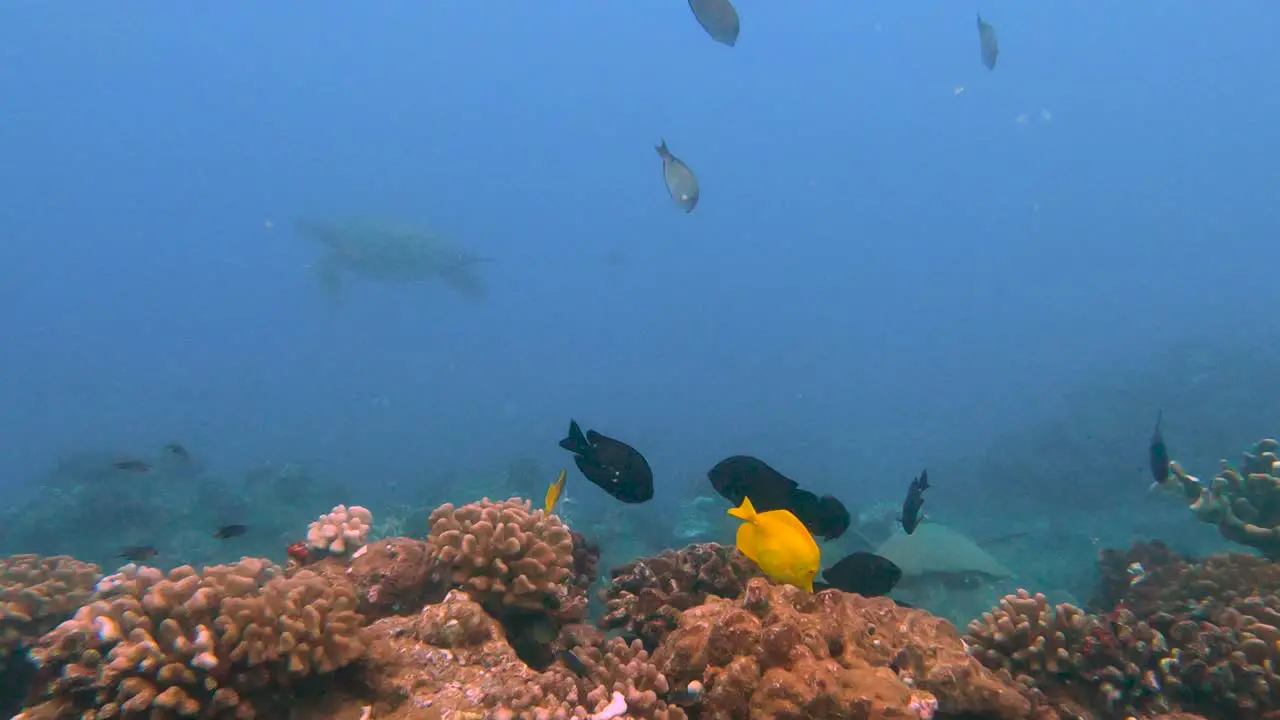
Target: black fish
177	450
133	466
138	553
574	663
718	18
990	46
230	531
745	476
863	573
615	466
915	500
1159	453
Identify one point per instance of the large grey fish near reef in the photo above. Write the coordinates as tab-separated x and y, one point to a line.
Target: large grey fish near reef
391	253
682	184
718	18
990	46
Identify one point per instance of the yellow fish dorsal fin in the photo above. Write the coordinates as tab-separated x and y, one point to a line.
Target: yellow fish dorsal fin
745	511
790	521
554	490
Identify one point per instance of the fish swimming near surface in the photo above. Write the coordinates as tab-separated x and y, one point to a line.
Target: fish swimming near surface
613	465
554	490
864	573
1159	453
682	184
227	532
779	543
740	476
718	18
391	253
989	44
138	553
911	507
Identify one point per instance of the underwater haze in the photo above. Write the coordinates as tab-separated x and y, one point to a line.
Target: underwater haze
899	259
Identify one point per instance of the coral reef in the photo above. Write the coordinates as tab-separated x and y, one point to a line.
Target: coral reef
1244	503
227	642
341	530
36	594
391	576
645	597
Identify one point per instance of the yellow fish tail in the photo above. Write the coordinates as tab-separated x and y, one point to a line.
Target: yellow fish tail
745	511
554	490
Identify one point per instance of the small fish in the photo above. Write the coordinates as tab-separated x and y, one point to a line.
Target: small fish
138	553
864	573
779	543
613	465
230	531
740	476
915	501
1159	453
990	46
680	180
574	663
132	465
718	18
554	490
177	450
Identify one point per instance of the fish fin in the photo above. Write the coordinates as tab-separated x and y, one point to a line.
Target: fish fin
745	511
748	541
661	147
788	519
575	442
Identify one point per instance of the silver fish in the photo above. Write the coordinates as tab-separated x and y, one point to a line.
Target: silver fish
718	18
990	46
681	182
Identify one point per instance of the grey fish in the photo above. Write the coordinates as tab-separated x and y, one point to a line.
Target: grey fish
990	46
391	253
680	180
718	18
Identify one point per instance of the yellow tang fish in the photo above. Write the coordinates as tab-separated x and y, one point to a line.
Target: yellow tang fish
779	543
554	490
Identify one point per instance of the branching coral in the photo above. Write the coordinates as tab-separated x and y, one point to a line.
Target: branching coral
37	593
1244	503
216	644
645	597
341	530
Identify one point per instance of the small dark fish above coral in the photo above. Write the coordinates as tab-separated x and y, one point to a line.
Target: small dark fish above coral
230	531
911	507
1158	453
138	553
864	573
614	466
989	44
719	18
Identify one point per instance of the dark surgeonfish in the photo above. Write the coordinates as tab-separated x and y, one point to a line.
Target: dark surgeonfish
138	553
226	532
864	573
681	182
741	476
990	46
1159	453
718	18
615	466
911	507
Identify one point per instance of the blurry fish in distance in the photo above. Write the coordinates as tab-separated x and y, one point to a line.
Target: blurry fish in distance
915	501
864	573
740	476
138	553
554	490
682	185
718	18
990	46
132	465
779	543
230	531
1159	453
613	465
177	450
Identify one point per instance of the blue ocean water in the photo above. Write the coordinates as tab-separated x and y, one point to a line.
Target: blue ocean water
899	260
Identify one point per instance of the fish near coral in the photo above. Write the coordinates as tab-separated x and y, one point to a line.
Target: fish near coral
779	543
554	491
1158	453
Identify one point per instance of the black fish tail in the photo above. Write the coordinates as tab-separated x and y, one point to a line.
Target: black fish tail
575	442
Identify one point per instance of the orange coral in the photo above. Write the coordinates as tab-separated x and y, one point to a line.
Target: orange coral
37	593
